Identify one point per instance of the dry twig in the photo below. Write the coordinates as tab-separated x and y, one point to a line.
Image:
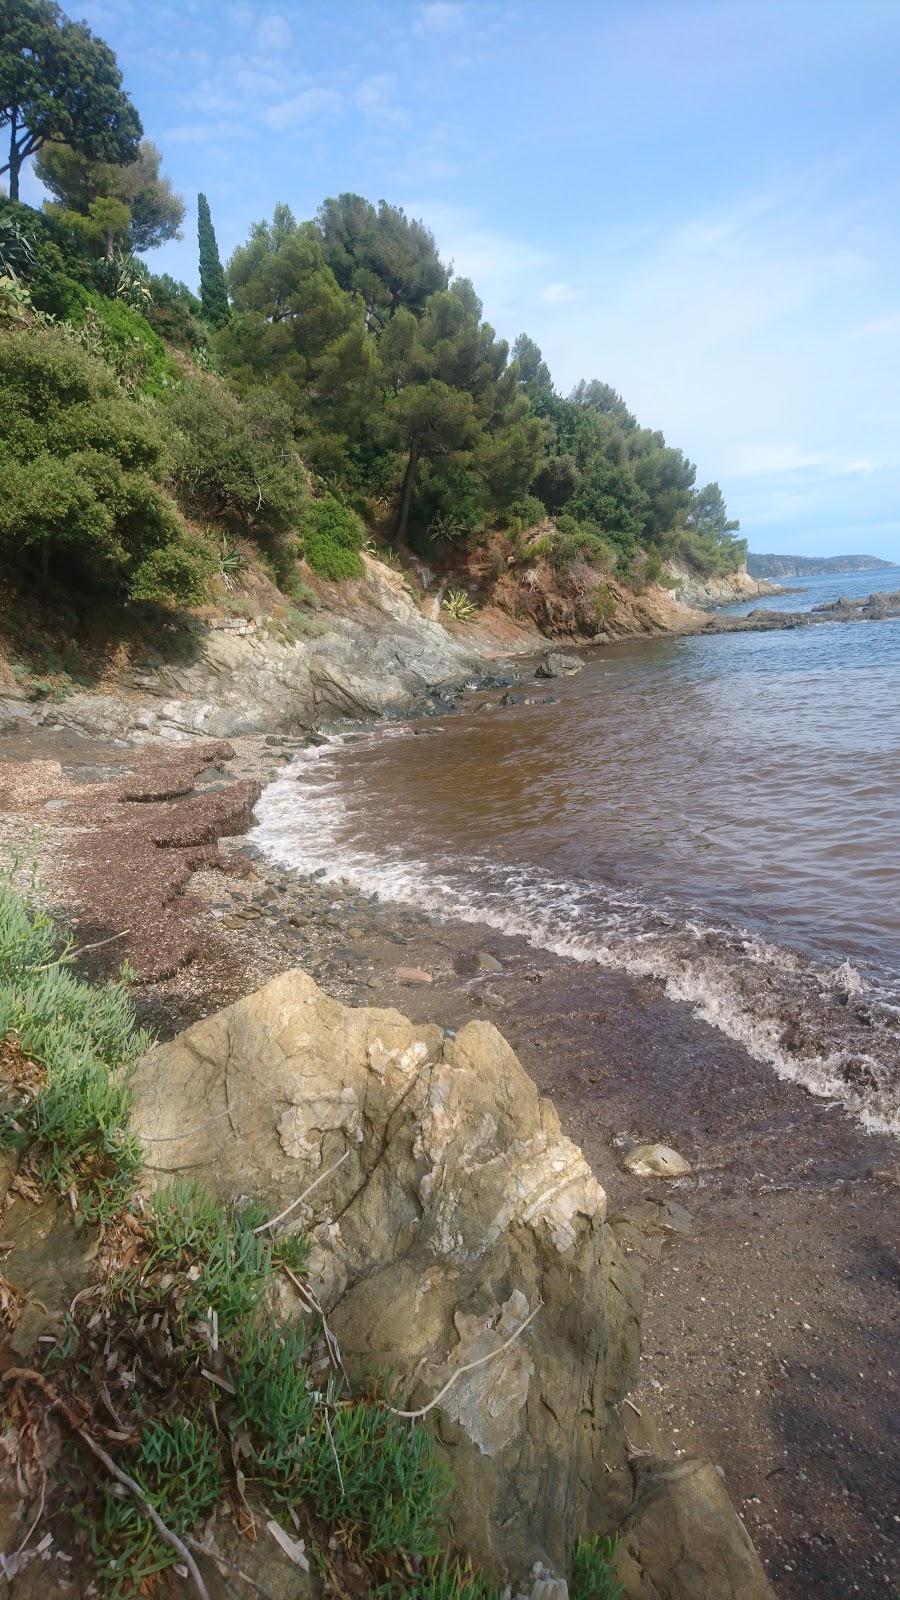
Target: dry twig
468	1366
54	1399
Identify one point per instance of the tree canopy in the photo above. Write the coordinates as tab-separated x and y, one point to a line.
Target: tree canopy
58	83
131	205
213	294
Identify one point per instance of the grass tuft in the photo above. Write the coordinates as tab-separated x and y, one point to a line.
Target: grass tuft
592	1575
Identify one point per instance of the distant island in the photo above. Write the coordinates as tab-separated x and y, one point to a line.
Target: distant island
773	566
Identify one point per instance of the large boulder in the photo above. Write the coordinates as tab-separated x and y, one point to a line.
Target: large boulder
458	1211
456	1230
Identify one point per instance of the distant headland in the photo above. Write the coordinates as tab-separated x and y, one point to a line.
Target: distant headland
774	566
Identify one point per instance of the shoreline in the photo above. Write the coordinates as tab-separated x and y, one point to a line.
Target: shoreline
767	1331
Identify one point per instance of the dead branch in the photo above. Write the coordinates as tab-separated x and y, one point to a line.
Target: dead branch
54	1399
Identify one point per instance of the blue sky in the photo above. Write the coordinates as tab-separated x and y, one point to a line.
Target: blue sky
696	202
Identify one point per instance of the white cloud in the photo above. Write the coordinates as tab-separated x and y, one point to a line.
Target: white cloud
557	294
273	32
376	98
303	107
880	327
441	16
205	132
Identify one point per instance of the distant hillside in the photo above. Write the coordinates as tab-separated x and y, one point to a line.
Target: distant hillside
811	566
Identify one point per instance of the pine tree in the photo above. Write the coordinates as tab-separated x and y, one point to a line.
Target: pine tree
213	294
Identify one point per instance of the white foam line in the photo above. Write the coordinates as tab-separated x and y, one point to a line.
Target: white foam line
300	820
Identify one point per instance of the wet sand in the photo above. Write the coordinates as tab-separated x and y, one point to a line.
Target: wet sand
771	1331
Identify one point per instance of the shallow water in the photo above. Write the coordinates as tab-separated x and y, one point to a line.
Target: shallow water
722	813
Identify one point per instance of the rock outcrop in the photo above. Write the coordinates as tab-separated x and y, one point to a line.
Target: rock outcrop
456	1231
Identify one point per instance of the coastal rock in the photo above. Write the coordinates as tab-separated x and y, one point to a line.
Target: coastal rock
555	665
452	1220
656	1161
682	1539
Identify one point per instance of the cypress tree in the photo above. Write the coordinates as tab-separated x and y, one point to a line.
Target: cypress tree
212	279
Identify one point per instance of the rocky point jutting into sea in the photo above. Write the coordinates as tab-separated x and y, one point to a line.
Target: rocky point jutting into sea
373	1001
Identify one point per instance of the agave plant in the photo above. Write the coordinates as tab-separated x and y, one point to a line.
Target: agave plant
231	564
126	279
444	529
458	605
16	249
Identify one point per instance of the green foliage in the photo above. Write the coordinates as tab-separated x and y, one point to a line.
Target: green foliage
82	1039
178	1467
59	83
604	604
236	458
149	212
213	294
707	539
580	541
380	254
81	468
592	1575
331	539
123	337
46	257
174	313
175	574
524	513
458	605
296	330
15	300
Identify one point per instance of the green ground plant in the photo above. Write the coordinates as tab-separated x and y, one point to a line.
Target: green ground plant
593	1577
72	1107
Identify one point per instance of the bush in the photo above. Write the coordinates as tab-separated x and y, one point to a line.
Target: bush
46	257
524	513
174	312
331	538
124	338
580	541
81	466
176	574
236	458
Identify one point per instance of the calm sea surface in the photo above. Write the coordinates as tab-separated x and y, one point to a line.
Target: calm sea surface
720	813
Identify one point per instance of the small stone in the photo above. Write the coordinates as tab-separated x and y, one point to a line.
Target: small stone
656	1161
412	975
485	962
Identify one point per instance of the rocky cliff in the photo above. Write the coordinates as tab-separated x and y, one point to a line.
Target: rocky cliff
696	590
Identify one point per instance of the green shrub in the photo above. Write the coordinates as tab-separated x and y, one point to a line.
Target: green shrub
236	458
175	574
174	312
46	257
524	513
119	333
331	538
82	468
580	541
604	604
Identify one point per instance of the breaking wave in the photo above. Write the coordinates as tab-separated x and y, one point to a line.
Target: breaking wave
830	1028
